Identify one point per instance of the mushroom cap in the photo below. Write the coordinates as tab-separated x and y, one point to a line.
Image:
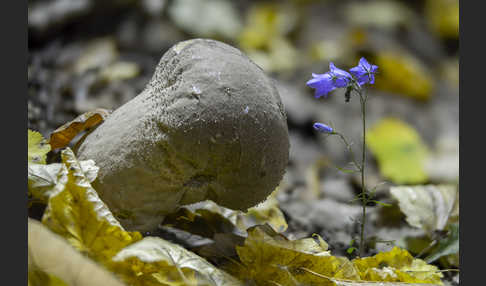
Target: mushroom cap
209	125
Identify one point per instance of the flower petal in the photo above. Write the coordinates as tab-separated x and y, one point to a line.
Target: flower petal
357	71
321	127
364	63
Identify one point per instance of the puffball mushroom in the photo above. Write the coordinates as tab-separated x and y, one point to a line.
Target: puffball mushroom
209	125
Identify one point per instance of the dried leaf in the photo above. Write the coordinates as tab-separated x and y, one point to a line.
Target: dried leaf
428	207
447	246
359	283
120	71
268	258
220	17
397	265
443	17
403	74
75	212
221	249
53	262
266	212
266	21
154	261
43	178
39	277
37	147
378	13
400	152
97	53
204	219
208	219
64	134
264	37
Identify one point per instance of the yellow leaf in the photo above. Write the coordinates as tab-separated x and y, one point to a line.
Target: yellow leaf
381	14
37	147
208	218
43	178
397	265
64	134
204	219
264	38
443	17
53	262
403	74
266	212
76	213
97	53
120	71
360	283
400	152
266	21
154	261
268	258
428	207
40	278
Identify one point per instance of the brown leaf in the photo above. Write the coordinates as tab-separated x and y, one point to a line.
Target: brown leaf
64	134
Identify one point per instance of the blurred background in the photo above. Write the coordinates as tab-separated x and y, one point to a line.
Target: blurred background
86	54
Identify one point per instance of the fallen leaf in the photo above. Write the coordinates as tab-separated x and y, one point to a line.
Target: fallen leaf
76	212
265	212
266	21
154	261
264	36
378	13
221	249
42	179
446	246
400	152
37	147
329	50
206	18
443	17
268	258
39	277
397	265
120	71
205	219
63	135
208	218
97	53
429	207
359	283
403	74
53	262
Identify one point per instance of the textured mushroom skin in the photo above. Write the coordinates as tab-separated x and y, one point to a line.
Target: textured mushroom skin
209	125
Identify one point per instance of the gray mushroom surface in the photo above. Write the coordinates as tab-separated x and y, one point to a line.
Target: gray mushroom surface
209	125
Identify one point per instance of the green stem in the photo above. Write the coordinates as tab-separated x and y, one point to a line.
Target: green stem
348	147
364	199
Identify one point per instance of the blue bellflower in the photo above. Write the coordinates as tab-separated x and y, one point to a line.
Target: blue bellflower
321	127
324	83
364	72
340	77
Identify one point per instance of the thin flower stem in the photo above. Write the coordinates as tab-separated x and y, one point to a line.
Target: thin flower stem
348	146
364	199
